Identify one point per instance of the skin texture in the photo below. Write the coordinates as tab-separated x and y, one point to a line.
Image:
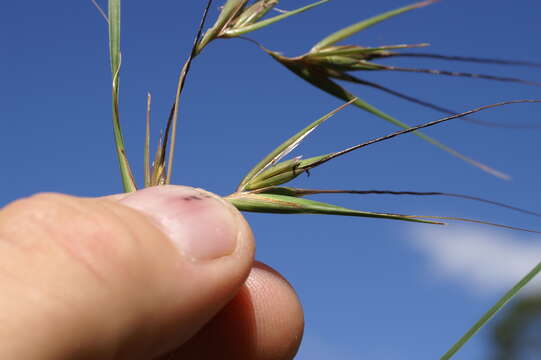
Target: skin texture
164	273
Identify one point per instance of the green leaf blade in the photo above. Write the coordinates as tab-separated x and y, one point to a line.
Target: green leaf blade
146	157
128	181
114	34
491	312
355	28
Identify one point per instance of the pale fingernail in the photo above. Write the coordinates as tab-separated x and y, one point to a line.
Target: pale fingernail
200	225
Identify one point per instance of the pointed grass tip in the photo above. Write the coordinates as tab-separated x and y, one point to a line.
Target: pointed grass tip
283	204
283	200
268	168
248	19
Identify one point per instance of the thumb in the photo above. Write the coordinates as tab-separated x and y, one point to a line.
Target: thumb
125	277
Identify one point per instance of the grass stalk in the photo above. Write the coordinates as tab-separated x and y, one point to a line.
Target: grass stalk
128	181
180	87
491	312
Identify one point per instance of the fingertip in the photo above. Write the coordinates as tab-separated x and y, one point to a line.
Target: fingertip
263	322
279	314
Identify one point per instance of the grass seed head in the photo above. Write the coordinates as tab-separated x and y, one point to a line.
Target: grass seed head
252	13
259	191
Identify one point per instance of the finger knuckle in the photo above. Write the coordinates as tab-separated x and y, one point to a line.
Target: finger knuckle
33	214
51	218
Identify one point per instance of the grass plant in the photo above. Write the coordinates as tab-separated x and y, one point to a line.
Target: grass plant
261	189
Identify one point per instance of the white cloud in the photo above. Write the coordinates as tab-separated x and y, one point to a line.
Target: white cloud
484	261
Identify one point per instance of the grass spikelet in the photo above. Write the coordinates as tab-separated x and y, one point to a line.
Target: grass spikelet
327	62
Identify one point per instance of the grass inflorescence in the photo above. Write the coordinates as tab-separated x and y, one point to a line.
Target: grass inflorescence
327	62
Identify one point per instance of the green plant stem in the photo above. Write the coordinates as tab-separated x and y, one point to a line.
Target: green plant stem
180	87
491	312
115	58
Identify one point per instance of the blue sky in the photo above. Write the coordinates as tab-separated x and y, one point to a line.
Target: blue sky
371	289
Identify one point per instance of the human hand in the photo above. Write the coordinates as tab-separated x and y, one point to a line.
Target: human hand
163	273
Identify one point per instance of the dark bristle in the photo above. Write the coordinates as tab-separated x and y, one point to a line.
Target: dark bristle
420	193
414	128
171	123
353	79
460	74
467	59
